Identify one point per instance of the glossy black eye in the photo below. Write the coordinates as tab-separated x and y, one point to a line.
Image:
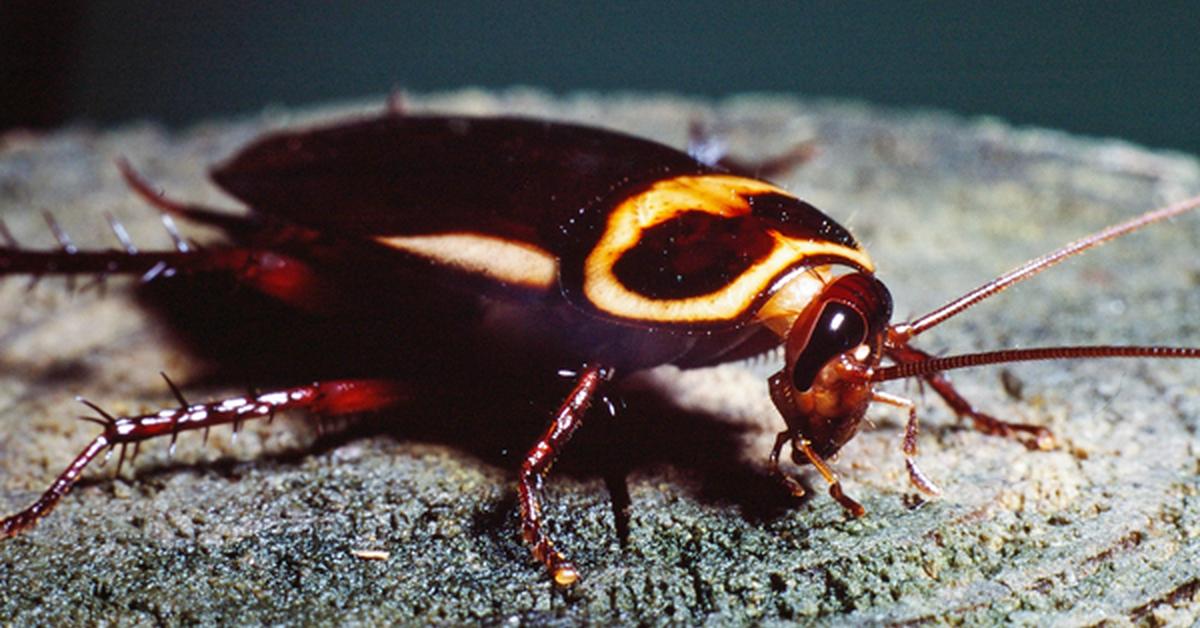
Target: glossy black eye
838	329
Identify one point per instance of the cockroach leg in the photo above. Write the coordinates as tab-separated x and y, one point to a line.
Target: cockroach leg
275	274
706	146
618	491
790	483
16	523
142	187
909	444
615	477
801	445
1032	436
322	398
537	464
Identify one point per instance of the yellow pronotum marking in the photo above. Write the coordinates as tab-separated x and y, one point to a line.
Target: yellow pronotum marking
721	195
509	261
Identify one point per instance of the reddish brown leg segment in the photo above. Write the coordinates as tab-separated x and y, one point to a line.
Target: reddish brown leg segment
259	265
324	398
230	222
802	452
909	444
1032	436
803	446
538	462
792	484
279	276
707	146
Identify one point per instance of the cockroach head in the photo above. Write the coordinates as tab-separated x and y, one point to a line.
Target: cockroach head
825	385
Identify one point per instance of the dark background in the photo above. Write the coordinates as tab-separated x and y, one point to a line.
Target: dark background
1129	70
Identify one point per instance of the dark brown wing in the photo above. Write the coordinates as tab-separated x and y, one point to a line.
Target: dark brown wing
628	229
518	179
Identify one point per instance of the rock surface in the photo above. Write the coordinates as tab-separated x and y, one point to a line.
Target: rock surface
266	529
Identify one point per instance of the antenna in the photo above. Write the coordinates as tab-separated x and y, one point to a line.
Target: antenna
967	360
900	333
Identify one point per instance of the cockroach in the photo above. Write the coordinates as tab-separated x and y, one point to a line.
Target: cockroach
519	238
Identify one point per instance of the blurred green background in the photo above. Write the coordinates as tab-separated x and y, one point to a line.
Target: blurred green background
1123	69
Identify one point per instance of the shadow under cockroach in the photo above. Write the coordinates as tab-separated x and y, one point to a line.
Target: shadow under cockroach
244	339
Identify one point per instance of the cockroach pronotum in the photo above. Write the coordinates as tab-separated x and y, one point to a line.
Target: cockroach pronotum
533	242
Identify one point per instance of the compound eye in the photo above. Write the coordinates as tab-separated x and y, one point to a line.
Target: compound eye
838	329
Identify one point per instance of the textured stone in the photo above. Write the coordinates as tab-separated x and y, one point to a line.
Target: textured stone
264	530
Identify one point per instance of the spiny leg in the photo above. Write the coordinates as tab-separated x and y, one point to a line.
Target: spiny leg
1032	436
330	398
255	231
148	264
69	260
537	464
256	261
278	275
909	444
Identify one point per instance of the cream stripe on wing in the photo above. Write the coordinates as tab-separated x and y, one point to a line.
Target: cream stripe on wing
507	261
606	292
